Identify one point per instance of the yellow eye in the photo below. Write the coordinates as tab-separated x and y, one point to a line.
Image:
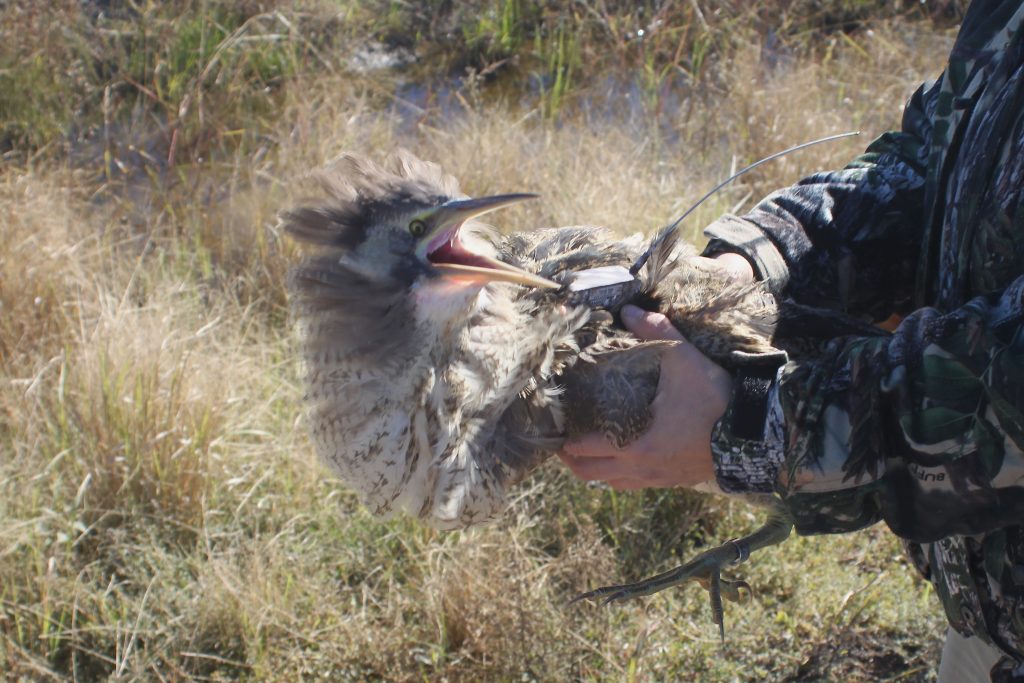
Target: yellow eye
418	228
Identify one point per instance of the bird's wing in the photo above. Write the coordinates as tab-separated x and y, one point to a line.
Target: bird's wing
611	390
717	315
555	253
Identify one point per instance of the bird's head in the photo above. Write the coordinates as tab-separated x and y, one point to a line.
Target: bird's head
399	304
398	259
404	227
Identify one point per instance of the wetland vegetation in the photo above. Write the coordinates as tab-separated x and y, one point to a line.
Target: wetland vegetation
162	515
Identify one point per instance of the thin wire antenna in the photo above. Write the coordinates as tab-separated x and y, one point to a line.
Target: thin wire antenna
665	232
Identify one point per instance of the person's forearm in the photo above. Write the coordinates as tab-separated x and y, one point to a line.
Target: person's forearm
924	430
847	240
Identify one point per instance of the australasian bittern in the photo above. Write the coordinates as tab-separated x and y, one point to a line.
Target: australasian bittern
445	362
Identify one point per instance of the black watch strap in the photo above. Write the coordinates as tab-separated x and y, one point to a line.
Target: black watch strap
752	386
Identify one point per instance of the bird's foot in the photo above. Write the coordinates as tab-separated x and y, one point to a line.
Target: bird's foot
705	569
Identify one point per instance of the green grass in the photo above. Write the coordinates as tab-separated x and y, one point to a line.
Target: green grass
161	513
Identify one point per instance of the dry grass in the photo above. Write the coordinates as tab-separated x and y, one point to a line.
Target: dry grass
162	517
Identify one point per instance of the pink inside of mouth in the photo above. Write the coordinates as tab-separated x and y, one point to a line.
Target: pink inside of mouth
452	251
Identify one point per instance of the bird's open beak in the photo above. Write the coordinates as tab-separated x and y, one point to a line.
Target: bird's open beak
448	254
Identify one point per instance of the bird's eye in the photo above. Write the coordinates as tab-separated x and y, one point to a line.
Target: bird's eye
418	228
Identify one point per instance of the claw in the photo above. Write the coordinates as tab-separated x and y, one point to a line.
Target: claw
705	569
738	591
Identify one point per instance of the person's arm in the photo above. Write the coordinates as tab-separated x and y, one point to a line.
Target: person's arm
667	456
849	239
675	450
924	430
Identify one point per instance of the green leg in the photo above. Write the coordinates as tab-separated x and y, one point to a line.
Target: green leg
706	569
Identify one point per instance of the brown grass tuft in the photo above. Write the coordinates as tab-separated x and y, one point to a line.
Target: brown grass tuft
161	513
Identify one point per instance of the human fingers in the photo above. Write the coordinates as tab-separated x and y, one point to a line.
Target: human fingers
648	325
628	484
592	445
599	469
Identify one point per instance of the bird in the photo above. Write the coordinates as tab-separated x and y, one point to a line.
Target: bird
445	361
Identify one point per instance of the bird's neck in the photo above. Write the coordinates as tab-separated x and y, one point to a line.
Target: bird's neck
444	306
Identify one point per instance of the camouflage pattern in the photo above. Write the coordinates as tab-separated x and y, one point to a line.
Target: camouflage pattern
924	429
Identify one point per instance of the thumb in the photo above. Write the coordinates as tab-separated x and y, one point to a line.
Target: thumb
647	325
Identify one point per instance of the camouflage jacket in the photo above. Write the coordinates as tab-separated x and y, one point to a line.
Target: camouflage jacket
923	429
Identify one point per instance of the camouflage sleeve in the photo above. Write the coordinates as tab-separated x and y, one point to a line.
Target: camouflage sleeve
847	240
924	430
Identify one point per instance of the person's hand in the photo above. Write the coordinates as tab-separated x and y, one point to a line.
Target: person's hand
692	396
735	266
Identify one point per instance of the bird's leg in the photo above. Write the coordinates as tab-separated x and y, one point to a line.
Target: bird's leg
706	568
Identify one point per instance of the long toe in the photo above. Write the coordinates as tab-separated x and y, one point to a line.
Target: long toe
705	569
